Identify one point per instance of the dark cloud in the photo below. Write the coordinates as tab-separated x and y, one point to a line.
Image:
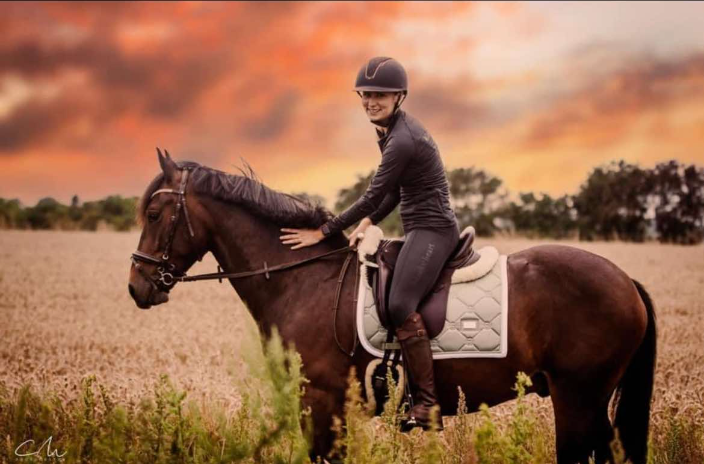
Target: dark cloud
266	56
161	82
447	106
159	86
600	112
275	119
163	77
35	122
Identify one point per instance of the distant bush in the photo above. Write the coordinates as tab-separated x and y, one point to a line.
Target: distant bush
617	201
116	212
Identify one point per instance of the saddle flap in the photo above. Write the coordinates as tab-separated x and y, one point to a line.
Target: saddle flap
385	258
433	307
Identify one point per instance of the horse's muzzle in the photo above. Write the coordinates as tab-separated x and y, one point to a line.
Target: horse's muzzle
148	297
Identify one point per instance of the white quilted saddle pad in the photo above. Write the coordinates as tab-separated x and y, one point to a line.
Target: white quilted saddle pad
475	323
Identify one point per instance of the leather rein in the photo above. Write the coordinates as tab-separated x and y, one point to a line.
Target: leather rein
168	276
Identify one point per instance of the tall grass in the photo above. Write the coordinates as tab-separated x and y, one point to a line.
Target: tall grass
679	438
167	427
367	440
522	441
164	427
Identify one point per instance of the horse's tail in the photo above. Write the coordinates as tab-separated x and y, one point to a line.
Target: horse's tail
635	390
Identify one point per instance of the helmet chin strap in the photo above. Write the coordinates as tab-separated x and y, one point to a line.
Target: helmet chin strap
387	121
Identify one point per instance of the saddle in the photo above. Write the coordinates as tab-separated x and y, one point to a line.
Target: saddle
434	305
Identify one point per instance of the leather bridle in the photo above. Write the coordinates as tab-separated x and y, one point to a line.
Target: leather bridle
167	271
168	276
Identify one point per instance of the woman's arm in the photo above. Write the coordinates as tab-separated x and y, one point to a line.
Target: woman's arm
394	160
391	200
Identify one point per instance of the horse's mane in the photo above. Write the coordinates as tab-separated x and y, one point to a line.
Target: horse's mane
248	191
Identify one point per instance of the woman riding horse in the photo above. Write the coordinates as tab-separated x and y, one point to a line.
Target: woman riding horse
580	327
411	172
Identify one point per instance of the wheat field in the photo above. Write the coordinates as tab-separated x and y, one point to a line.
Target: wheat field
65	313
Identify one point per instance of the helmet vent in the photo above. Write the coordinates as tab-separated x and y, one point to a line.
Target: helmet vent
375	64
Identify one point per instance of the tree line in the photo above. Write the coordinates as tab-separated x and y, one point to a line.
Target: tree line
113	212
618	201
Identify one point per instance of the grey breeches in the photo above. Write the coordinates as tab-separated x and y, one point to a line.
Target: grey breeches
422	257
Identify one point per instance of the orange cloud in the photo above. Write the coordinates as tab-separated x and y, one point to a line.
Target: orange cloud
600	114
92	88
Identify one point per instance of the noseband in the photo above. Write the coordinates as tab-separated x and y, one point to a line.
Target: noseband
167	271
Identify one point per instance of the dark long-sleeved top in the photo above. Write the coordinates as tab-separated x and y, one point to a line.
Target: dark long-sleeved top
412	173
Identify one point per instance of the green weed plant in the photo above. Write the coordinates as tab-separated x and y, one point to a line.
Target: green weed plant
271	426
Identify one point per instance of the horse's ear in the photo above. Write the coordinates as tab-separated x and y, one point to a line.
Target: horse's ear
167	165
161	159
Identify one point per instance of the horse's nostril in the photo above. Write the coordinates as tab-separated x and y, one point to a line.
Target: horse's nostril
131	289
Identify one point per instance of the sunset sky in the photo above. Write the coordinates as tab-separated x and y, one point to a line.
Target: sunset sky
537	94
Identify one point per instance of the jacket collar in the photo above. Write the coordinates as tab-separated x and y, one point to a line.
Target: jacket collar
394	118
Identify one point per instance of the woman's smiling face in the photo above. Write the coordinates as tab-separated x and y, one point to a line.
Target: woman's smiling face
378	105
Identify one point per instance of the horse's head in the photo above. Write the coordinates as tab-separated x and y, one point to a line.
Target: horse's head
171	240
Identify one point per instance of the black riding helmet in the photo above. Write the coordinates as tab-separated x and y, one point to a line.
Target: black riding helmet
382	74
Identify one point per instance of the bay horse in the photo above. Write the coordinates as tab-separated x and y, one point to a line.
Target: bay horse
577	324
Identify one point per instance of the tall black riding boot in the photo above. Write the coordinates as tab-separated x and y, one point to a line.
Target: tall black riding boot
415	347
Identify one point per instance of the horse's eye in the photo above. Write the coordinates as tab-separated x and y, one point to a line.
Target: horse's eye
153	216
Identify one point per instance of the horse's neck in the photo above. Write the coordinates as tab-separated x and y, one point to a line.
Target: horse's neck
244	242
